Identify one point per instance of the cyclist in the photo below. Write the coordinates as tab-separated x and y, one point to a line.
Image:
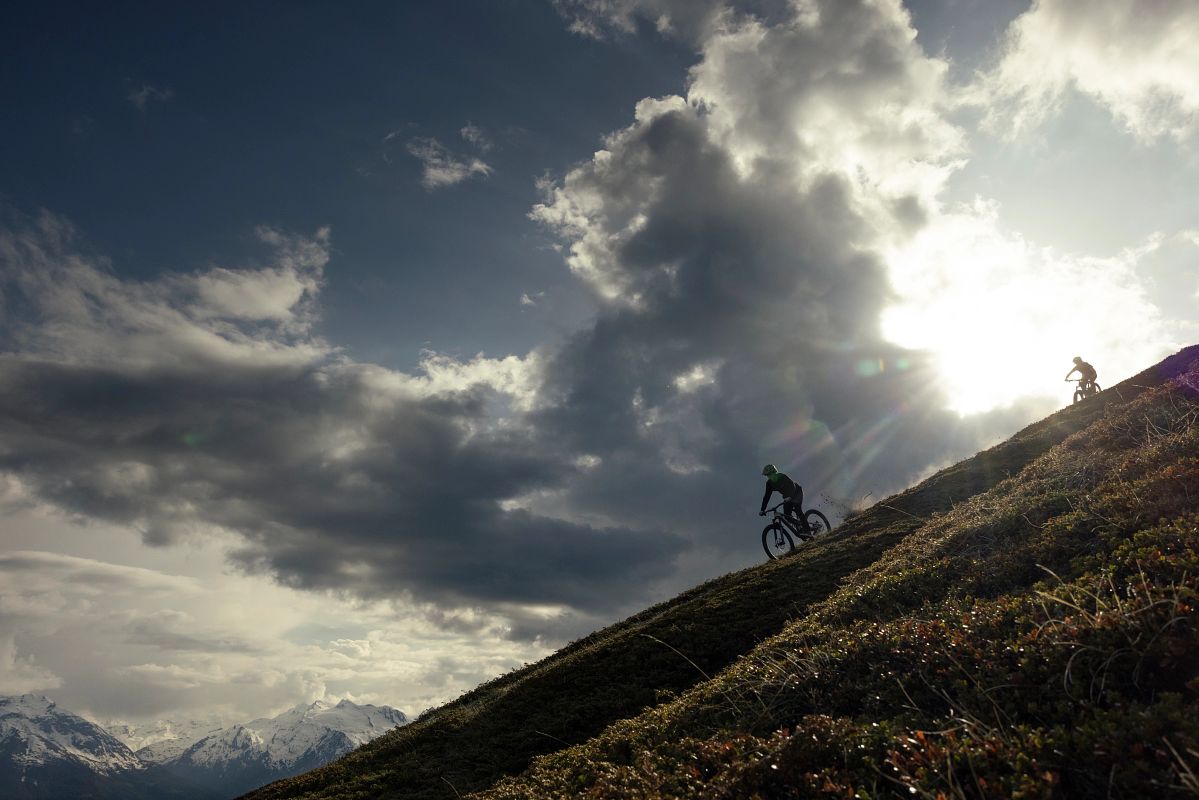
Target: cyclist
1085	371
791	491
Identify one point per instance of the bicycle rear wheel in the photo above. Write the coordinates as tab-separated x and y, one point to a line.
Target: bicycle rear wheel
818	524
776	541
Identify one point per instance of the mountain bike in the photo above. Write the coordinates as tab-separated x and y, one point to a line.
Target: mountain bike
778	538
1085	389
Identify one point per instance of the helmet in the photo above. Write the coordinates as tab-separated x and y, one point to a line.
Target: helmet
1078	359
769	469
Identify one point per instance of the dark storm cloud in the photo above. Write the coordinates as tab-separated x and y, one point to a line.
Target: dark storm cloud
767	293
742	266
413	509
336	475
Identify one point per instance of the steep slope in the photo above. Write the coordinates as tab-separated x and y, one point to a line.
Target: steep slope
232	760
1037	640
915	616
48	752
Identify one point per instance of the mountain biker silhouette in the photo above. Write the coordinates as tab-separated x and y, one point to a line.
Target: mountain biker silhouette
791	491
1084	370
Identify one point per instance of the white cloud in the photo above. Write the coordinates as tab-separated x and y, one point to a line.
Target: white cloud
22	675
691	20
443	167
141	98
842	88
165	644
269	294
837	90
32	572
173	677
1137	58
82	313
476	136
518	378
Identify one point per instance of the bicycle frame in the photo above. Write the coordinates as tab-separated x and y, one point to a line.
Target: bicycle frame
1084	388
790	523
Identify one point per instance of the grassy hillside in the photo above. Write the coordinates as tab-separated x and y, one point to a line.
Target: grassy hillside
1020	624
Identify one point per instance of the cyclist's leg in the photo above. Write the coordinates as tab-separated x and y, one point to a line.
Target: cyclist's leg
794	509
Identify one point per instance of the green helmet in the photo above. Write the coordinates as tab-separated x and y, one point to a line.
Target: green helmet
769	469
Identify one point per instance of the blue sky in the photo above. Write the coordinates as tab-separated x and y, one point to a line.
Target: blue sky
442	334
278	114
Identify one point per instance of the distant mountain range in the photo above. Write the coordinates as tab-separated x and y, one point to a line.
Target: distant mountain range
49	753
164	739
239	758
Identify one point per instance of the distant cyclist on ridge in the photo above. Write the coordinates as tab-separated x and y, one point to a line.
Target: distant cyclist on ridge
791	491
1084	370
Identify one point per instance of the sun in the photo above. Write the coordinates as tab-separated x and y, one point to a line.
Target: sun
1002	319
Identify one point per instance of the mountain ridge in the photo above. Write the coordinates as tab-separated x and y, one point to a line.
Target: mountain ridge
533	732
49	752
244	756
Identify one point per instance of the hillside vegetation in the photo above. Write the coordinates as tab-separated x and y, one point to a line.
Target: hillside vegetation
1022	624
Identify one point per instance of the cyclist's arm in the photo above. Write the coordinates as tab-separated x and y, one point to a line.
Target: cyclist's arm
1071	372
766	497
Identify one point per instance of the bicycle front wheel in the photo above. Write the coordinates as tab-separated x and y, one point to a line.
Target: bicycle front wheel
1078	395
818	524
776	541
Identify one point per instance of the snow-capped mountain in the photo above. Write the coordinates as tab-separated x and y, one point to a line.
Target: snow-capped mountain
163	740
36	731
48	752
242	757
162	732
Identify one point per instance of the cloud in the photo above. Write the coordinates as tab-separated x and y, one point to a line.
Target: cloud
72	310
737	240
476	136
141	98
442	167
688	19
1136	58
176	631
736	249
164	644
203	404
31	572
22	675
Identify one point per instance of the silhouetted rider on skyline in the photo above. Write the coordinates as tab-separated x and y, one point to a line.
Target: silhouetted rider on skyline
1084	370
791	491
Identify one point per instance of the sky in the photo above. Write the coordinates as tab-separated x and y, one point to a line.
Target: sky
373	352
